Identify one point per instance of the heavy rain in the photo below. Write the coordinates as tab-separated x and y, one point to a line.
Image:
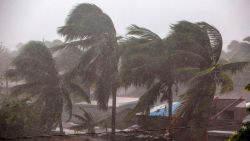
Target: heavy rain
125	70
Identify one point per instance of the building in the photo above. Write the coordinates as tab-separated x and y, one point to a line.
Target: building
227	114
122	104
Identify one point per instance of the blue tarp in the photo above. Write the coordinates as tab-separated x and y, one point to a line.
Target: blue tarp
163	110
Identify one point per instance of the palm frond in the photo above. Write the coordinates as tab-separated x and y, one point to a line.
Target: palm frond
233	67
141	32
78	43
87	115
215	40
225	82
87	121
188	36
141	65
86	20
202	74
147	100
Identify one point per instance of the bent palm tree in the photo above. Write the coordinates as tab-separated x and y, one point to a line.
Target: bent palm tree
89	28
144	63
148	61
205	41
35	66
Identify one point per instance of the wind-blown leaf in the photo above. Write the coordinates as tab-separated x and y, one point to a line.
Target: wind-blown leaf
142	33
190	37
87	115
233	67
147	100
86	20
215	40
202	74
79	44
225	82
87	121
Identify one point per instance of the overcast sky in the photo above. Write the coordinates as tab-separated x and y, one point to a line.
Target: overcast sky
24	20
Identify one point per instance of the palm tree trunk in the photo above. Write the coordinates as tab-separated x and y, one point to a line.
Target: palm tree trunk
200	124
170	103
113	122
60	125
148	111
199	128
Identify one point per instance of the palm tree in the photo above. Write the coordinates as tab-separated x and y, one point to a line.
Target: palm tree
140	64
148	61
35	66
151	61
190	50
89	28
205	43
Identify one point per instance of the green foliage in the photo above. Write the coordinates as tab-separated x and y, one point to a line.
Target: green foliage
244	133
204	40
147	61
247	87
49	90
225	82
88	22
19	118
89	28
34	63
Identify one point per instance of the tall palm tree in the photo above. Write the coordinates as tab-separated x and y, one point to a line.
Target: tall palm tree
150	61
89	28
35	66
205	43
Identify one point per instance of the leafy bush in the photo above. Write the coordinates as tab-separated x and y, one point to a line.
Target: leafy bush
18	118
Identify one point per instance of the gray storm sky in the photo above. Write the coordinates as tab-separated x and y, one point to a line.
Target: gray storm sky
24	20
